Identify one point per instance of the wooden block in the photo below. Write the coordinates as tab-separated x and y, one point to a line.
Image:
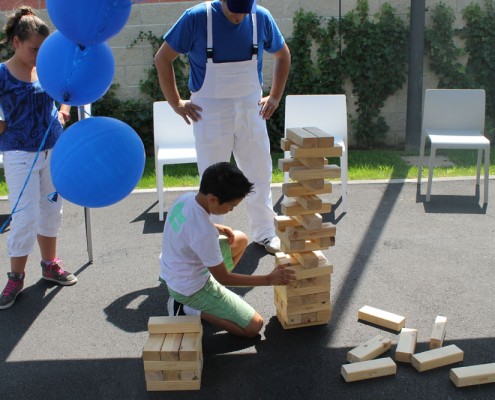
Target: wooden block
437	358
473	375
283	221
302	138
381	318
313	184
291	208
285	144
170	352
299	232
310	221
190	349
284	164
294	189
316	286
174	324
438	332
308	259
368	369
151	352
300	313
298	152
311	202
370	349
324	138
406	345
292	246
317	162
305	174
306	273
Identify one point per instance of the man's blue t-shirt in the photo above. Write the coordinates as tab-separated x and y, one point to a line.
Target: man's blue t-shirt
231	42
28	111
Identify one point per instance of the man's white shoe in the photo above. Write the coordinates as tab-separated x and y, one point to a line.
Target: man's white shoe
272	245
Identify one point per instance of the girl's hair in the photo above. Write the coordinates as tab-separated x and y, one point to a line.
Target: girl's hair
23	23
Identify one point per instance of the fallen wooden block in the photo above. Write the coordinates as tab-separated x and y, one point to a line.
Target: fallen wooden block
172	356
473	375
438	332
437	358
368	369
406	345
370	349
381	318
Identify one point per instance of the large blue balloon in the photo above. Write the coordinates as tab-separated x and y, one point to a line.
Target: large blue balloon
97	162
74	75
88	22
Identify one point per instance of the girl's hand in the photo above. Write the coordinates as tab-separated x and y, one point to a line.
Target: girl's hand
63	117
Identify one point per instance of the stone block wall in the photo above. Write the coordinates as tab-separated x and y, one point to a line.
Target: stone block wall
158	16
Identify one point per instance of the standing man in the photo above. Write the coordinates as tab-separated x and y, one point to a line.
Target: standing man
224	40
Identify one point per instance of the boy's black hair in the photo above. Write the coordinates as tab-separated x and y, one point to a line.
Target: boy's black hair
225	181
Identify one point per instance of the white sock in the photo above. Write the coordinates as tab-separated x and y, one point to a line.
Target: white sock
191	311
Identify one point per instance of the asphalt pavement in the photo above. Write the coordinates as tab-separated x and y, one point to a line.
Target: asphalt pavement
393	251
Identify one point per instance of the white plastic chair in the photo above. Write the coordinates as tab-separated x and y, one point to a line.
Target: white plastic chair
326	112
454	119
174	144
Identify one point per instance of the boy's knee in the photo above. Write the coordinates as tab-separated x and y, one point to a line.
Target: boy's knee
254	326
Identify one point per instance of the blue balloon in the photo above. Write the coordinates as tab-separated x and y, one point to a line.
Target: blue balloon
97	162
74	75
88	22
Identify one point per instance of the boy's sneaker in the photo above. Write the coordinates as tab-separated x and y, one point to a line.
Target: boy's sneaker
174	307
271	245
54	272
12	289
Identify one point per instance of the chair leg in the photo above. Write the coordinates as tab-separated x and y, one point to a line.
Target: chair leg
421	160
431	166
478	167
487	173
159	189
343	178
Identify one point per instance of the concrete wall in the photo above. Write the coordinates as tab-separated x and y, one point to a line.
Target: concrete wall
158	16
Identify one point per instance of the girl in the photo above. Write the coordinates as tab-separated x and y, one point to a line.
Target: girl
28	112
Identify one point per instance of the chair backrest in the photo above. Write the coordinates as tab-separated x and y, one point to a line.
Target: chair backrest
325	111
454	111
169	129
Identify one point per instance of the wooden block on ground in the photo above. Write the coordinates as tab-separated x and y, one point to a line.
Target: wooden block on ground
438	332
293	189
319	318
370	349
151	352
190	350
406	345
473	375
298	152
437	358
368	369
302	138
174	324
382	318
170	352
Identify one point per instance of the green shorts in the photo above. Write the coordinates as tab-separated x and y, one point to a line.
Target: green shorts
215	299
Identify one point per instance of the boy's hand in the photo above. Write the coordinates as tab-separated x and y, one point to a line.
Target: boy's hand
226	231
281	276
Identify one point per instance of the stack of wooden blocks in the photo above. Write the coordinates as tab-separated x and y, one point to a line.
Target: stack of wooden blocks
172	355
302	232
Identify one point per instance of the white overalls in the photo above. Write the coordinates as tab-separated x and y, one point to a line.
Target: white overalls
231	123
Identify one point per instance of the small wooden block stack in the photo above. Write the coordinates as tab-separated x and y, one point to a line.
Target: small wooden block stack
172	355
302	232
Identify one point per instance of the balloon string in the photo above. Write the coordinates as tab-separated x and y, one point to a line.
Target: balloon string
14	210
80	53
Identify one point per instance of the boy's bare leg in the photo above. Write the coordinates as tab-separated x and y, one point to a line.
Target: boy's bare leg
249	331
238	246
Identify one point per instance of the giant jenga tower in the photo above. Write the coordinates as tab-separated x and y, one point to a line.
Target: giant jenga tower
302	232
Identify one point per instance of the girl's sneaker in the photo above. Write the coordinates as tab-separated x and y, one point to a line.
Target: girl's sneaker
54	272
12	289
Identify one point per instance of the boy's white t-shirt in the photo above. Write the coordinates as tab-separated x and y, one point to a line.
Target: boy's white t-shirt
189	246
